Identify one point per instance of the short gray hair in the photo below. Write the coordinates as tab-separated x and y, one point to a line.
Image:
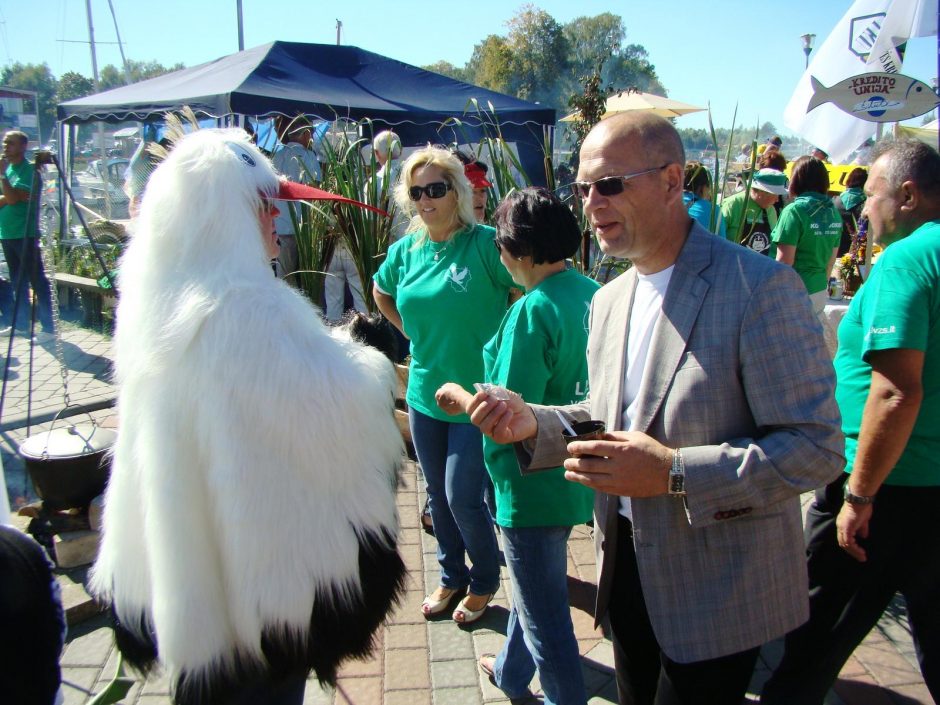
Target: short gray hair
909	160
388	144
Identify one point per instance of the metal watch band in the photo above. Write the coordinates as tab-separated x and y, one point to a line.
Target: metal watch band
855	498
677	474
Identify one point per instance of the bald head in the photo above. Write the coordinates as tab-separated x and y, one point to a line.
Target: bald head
638	213
653	136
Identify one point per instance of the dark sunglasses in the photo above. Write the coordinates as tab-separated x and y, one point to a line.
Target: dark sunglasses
435	190
610	185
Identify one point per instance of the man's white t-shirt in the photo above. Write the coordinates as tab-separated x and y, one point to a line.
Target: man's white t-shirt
644	315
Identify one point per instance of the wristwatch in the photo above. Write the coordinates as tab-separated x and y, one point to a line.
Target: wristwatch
855	498
677	474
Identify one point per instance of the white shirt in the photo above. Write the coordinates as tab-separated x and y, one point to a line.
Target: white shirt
644	315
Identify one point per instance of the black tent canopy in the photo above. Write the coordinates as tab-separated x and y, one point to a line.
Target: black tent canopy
329	82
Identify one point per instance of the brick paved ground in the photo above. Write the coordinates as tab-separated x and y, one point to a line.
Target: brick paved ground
416	662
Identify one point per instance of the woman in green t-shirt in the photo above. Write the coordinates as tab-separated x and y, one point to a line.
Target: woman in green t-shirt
443	286
808	230
539	352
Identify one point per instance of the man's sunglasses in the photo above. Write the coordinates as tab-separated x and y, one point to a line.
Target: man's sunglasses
434	190
610	185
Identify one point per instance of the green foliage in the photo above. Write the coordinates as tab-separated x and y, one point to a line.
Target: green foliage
114	77
445	68
544	61
539	55
38	78
73	85
365	233
589	105
491	65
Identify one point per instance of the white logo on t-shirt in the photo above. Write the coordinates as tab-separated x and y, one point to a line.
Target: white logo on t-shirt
459	278
586	322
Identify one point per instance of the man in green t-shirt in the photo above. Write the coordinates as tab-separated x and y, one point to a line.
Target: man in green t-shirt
19	231
871	532
752	224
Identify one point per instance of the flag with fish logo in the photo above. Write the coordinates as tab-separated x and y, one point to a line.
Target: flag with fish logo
869	39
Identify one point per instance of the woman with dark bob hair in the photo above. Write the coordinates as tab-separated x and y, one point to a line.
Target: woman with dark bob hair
539	352
808	231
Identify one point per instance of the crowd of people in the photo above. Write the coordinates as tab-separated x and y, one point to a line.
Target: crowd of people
707	362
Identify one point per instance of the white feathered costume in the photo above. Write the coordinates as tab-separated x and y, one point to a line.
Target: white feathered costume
250	522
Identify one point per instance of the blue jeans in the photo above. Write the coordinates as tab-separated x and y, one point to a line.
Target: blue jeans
451	457
540	633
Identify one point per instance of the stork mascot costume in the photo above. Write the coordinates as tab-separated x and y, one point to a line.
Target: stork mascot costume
250	523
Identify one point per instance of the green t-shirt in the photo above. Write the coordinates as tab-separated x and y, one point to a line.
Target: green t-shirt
540	352
814	226
449	308
13	216
899	307
732	212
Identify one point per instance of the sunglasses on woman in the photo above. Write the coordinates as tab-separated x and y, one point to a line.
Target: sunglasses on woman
610	185
433	190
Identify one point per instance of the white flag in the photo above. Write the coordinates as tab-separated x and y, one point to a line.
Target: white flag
864	40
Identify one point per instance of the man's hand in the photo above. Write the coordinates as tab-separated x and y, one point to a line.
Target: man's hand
505	421
629	464
851	524
4	163
452	398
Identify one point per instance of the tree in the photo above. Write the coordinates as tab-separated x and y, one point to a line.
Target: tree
630	68
768	129
491	65
73	85
539	55
445	68
593	40
113	77
38	78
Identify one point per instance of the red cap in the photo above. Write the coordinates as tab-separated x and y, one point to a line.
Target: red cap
292	191
475	175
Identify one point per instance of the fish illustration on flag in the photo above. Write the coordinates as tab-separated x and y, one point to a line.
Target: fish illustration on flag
876	97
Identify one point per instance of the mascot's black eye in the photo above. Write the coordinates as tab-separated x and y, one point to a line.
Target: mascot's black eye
248	160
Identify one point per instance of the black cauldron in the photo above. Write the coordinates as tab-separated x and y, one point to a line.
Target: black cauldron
69	466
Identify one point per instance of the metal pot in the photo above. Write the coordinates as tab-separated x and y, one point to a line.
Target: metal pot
69	466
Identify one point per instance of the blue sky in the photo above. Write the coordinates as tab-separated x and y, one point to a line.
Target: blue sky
722	51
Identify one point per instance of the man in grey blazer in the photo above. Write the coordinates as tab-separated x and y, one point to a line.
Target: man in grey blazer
710	371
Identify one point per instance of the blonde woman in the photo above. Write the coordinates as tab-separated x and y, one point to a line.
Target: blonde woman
444	287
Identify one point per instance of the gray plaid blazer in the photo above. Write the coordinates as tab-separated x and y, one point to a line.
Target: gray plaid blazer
740	379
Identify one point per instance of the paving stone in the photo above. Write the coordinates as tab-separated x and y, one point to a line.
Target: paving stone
406	669
408	610
156	700
75	548
886	665
364	667
91	649
852	668
78	683
157	684
406	636
407	697
453	674
862	690
449	642
358	691
457	696
916	692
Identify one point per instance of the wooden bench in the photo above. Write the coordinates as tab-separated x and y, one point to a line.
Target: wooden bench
93	295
